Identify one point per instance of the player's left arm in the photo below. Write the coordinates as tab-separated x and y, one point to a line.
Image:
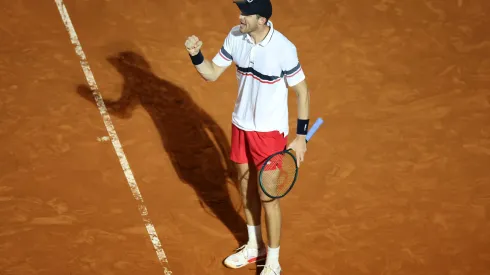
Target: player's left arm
296	79
303	100
303	104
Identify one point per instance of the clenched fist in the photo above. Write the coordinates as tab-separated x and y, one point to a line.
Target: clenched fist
193	45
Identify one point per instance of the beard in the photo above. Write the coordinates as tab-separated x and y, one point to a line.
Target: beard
246	28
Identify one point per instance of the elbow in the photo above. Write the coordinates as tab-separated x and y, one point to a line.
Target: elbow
207	78
210	78
303	94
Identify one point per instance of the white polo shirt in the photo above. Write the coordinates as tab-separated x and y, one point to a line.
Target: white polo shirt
264	73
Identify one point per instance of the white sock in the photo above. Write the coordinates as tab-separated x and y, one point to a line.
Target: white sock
254	236
272	256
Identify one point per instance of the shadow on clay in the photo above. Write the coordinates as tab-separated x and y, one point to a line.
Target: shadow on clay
187	133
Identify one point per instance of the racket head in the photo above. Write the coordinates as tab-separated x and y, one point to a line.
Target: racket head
278	174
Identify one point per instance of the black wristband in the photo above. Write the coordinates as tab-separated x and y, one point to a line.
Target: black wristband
197	59
302	127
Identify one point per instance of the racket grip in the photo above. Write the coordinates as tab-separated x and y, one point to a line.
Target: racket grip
314	128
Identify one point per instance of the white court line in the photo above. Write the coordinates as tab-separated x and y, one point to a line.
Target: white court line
115	140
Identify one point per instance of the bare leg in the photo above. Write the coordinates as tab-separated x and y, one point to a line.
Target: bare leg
251	201
272	211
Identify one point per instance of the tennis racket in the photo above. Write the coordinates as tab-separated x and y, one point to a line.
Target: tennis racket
279	172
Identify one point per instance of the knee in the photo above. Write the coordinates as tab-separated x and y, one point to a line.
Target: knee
266	200
250	199
269	203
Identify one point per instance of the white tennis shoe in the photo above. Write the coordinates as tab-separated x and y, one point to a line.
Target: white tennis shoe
244	256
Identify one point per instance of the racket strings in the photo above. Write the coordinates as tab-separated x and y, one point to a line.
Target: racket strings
279	174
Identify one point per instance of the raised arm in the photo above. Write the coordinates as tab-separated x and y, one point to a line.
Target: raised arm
208	69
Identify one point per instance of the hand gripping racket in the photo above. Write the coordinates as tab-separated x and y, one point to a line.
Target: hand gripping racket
280	170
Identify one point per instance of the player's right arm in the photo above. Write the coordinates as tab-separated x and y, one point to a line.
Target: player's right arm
210	70
206	68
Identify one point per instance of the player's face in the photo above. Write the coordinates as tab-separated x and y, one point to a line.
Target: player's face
248	23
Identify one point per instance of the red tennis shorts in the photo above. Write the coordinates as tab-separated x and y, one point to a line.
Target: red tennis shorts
255	147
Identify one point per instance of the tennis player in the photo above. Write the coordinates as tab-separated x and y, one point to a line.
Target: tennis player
266	66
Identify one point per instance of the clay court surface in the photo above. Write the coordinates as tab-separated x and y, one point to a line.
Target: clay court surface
396	181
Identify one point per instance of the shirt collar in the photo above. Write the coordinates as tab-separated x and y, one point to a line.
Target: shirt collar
267	38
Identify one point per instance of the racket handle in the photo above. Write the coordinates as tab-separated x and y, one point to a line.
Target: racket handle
314	128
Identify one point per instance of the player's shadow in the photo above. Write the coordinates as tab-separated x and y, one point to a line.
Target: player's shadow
187	134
